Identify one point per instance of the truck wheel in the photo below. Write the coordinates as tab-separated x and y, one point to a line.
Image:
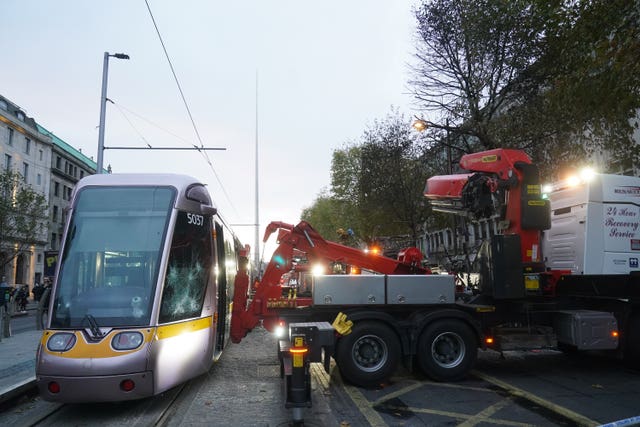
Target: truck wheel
447	350
368	355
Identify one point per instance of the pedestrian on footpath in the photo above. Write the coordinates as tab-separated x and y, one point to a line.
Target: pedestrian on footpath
6	292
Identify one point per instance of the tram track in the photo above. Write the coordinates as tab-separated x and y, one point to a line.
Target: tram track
29	410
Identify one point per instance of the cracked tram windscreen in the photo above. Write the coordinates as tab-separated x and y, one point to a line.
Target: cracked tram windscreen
188	268
112	253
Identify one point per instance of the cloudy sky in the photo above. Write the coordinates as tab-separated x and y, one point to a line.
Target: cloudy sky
325	70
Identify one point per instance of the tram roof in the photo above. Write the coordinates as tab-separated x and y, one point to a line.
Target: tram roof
177	180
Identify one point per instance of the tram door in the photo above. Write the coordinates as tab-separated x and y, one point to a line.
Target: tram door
226	261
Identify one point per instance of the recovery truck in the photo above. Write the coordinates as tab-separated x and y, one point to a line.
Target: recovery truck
576	297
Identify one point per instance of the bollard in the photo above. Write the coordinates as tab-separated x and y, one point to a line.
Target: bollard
307	343
6	324
43	307
39	325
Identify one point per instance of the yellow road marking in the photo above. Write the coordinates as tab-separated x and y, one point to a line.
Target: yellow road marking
485	415
366	409
321	376
397	393
567	413
372	416
459	416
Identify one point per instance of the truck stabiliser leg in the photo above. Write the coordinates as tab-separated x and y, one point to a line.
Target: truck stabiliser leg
307	341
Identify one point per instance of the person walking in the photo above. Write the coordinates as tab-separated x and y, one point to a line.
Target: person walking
21	298
6	292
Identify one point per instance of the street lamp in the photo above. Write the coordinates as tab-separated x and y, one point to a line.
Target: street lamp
420	124
103	105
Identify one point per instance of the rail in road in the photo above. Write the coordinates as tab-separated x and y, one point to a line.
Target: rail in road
242	389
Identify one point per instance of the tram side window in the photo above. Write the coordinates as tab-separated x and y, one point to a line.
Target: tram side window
188	269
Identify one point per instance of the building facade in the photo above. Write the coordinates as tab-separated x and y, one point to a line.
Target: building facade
52	168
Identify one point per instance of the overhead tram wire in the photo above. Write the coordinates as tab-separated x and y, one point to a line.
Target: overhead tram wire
148	145
175	76
184	100
130	123
122	107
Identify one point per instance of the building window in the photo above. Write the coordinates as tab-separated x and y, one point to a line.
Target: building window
55	214
20	116
25	173
10	140
27	146
68	193
39	258
3	104
41	155
54	239
58	162
56	189
39	179
7	161
81	174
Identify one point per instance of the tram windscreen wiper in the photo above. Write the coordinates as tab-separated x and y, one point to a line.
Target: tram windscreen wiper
93	326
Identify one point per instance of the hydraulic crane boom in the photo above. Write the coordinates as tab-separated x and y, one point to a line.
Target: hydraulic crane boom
302	238
500	182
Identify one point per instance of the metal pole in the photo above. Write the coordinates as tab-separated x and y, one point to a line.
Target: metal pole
450	171
256	251
103	108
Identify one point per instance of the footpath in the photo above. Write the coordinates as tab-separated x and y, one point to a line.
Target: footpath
18	359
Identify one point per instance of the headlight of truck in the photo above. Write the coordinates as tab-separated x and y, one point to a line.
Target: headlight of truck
61	341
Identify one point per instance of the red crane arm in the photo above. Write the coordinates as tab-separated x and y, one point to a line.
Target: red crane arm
303	238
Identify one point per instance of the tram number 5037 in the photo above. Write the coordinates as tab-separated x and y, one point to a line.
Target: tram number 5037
194	219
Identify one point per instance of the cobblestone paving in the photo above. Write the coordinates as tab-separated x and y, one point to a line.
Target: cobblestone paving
244	389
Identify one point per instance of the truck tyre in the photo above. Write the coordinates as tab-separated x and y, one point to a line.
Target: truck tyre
368	355
447	350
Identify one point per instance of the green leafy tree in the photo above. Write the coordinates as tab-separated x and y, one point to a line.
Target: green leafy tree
328	215
23	216
377	185
590	79
392	178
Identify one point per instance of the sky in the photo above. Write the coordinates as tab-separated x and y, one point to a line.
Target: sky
318	73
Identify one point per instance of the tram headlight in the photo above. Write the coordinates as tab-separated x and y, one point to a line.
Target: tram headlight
127	340
61	341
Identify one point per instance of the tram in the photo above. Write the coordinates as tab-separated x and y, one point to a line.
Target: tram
143	292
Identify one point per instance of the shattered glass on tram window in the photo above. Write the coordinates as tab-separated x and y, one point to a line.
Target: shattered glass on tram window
188	268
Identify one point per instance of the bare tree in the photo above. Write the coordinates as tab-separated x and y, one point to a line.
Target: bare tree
470	55
559	79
